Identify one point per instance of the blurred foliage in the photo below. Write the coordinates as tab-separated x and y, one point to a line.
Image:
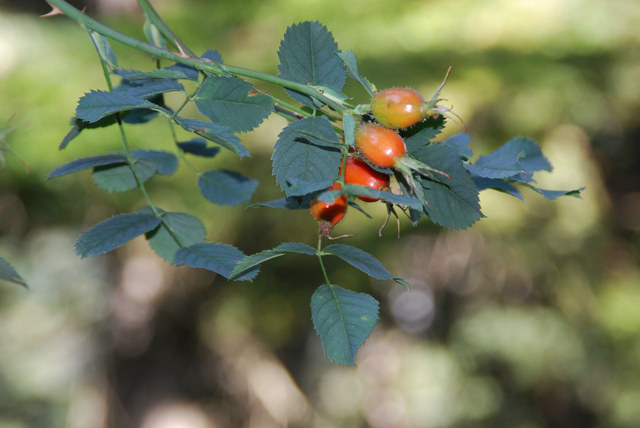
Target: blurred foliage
529	319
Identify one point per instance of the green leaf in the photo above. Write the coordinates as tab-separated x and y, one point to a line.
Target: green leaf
8	273
350	61
343	319
362	260
219	258
148	88
554	194
308	151
185	228
226	100
460	143
287	203
308	55
422	134
111	234
120	178
226	187
349	126
357	190
104	49
153	35
483	183
96	105
250	262
86	163
198	147
451	202
520	154
166	161
219	134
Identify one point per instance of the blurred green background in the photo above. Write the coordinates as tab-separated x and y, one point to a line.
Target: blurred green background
529	319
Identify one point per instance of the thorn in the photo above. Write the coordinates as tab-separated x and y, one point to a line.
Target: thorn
181	54
55	11
339	237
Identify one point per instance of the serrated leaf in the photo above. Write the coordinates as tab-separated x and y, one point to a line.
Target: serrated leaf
451	202
149	88
226	187
257	259
286	203
166	161
483	183
185	228
198	147
8	273
95	105
520	154
554	194
226	100
119	178
422	133
301	188
104	49
308	55
307	151
343	319
113	233
219	134
86	163
361	260
219	258
350	61
460	143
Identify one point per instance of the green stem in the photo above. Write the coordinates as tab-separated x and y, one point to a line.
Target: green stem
319	254
203	65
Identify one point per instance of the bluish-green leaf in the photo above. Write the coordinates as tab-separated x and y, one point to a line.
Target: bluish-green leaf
112	233
422	134
219	258
460	143
212	55
95	105
287	203
306	151
483	183
308	54
343	319
86	163
226	187
198	147
148	89
120	178
350	61
357	190
8	273
226	100
167	163
220	134
554	194
451	202
520	154
360	259
250	262
185	228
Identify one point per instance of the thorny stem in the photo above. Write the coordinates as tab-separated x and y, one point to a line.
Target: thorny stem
185	58
164	29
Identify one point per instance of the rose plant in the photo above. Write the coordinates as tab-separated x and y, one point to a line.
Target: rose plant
312	161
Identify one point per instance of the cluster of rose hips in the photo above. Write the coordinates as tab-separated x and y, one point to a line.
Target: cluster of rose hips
381	146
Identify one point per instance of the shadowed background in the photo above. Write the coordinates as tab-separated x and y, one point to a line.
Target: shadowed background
528	319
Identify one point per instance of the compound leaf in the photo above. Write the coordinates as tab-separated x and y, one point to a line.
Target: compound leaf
219	258
177	230
166	162
307	151
308	55
343	319
226	187
350	61
227	100
120	178
114	232
518	155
